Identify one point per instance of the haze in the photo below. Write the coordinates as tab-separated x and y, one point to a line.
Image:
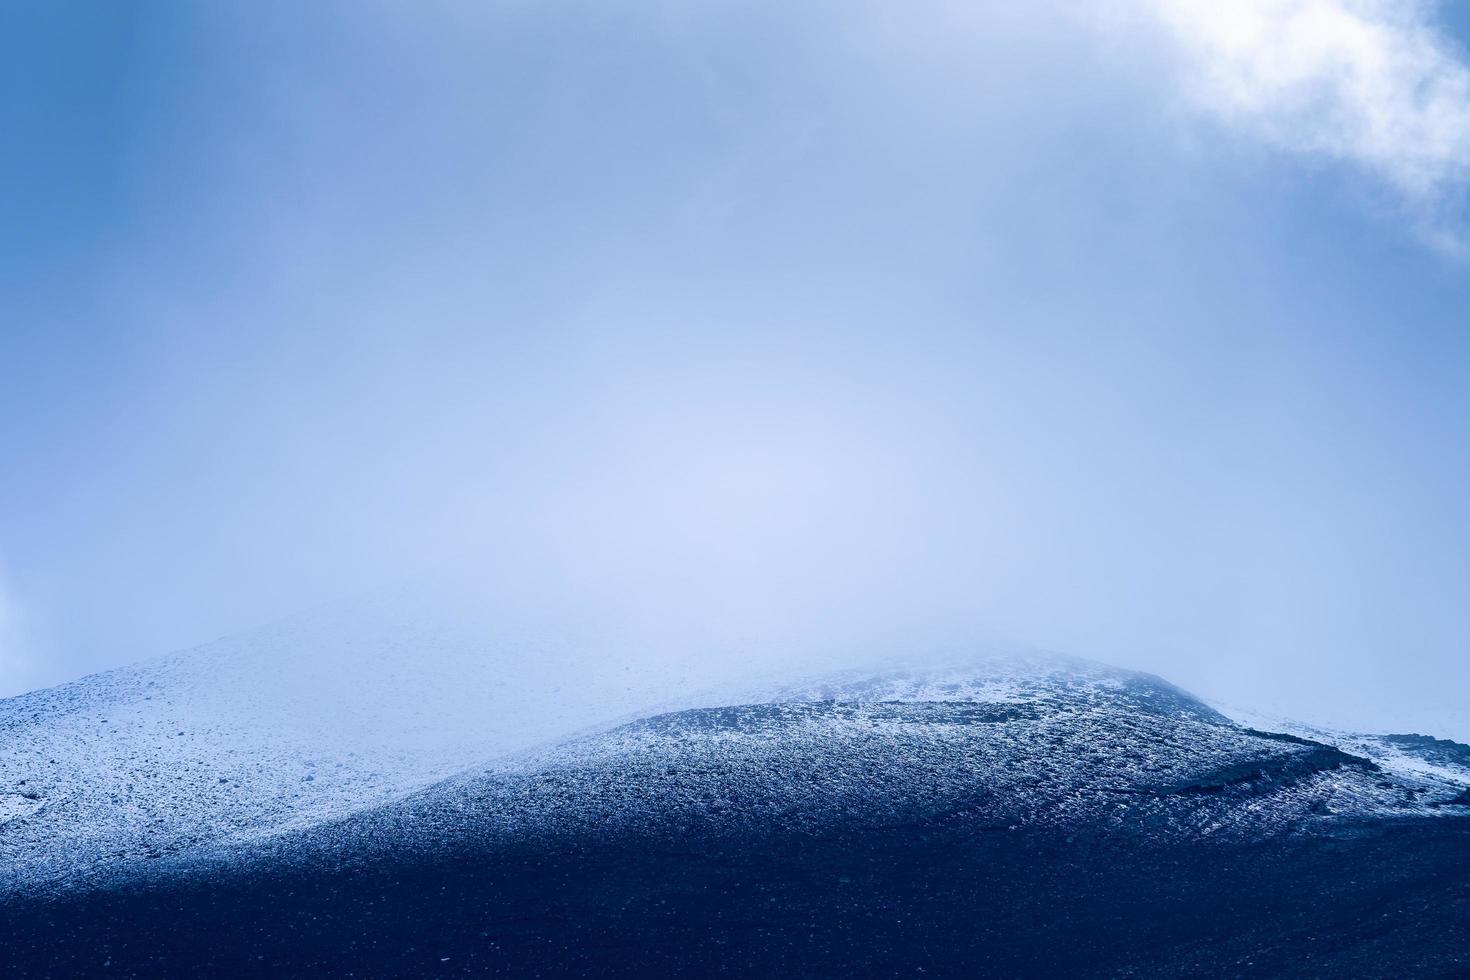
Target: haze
1102	325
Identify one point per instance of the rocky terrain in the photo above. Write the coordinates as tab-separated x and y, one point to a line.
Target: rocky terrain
308	720
1014	815
1046	743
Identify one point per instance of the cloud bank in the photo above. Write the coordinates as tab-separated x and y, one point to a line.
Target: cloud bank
1373	83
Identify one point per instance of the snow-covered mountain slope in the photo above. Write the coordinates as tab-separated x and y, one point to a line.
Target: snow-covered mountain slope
401	723
1037	743
1412	756
307	720
1033	678
1011	815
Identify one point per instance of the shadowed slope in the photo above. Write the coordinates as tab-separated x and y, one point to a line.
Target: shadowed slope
1024	818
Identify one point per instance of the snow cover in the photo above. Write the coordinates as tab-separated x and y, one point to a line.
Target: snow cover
399	723
1437	762
288	726
1051	743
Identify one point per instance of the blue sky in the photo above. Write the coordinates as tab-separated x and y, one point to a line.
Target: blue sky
1105	324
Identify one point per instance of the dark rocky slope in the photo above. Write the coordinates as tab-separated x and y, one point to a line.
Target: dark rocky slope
1021	819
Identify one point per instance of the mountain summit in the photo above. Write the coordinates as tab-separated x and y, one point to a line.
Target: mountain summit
882	815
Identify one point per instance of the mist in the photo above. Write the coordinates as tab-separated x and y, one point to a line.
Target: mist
770	335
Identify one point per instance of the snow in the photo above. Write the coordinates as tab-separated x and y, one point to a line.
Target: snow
13	805
1088	750
404	714
1444	774
305	721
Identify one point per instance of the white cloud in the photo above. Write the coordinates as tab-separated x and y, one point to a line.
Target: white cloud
1370	82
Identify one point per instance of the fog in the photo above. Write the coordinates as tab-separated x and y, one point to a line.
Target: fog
799	328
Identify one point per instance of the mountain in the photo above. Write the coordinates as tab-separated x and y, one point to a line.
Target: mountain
217	813
1038	743
307	720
